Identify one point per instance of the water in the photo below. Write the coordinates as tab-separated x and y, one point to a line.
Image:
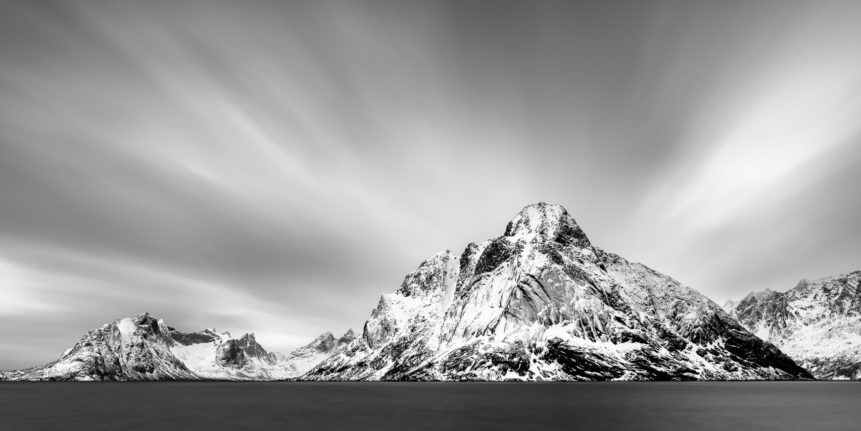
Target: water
416	406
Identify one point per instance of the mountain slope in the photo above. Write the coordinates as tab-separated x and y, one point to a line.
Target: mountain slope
817	323
541	302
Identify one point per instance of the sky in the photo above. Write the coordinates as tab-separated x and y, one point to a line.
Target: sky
275	167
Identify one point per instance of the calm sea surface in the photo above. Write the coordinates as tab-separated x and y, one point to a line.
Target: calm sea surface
416	406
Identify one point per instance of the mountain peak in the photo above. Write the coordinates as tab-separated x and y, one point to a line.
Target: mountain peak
347	337
325	342
761	295
546	222
324	336
729	305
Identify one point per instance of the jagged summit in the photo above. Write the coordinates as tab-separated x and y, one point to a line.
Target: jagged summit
324	337
544	222
248	343
764	294
428	275
325	343
348	337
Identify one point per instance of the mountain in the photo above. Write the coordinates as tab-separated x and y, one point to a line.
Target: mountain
127	349
212	355
306	357
145	348
817	323
541	302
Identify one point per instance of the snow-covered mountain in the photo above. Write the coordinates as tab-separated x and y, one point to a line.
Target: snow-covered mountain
817	323
306	357
127	349
145	348
541	302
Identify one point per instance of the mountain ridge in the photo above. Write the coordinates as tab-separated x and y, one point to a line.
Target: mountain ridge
539	302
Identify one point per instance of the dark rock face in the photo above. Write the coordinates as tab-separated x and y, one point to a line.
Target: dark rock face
238	353
856	299
189	338
575	362
468	261
497	252
325	342
767	306
467	361
251	347
752	350
347	338
230	354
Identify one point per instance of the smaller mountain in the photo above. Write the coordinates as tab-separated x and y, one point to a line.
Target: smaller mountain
128	349
817	323
252	349
306	357
145	348
213	355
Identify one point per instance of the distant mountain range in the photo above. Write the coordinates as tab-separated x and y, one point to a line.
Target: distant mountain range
539	302
817	323
145	348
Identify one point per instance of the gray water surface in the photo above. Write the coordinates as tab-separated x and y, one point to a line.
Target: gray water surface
418	406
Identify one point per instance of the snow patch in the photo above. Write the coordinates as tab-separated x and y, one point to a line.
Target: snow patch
127	328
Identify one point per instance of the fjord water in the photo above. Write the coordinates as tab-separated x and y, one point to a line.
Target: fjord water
416	406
